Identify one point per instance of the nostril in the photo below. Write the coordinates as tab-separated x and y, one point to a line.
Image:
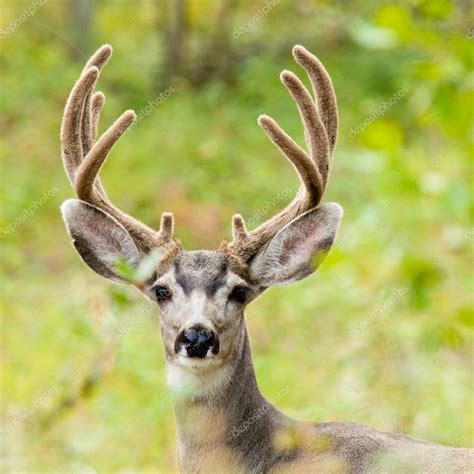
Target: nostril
191	336
197	341
201	336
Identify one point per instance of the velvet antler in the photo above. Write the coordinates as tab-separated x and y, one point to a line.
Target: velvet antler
83	158
320	121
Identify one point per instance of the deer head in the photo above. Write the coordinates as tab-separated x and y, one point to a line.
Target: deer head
201	295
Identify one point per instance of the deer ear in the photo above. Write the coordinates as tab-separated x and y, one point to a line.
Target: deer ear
99	239
298	249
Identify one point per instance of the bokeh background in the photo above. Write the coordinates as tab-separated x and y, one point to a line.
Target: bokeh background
381	334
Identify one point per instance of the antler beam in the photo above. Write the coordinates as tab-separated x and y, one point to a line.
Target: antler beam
320	121
83	158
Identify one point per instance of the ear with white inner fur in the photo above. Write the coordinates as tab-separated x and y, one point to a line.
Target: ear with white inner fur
99	239
299	248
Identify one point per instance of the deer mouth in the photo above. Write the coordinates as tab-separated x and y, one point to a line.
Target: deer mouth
197	363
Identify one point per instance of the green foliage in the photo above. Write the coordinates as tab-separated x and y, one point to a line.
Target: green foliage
381	334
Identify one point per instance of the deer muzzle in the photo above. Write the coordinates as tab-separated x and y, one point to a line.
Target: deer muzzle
197	341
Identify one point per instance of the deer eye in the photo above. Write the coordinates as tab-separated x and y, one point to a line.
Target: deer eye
239	294
162	293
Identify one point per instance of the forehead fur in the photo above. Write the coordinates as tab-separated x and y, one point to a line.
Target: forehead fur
202	269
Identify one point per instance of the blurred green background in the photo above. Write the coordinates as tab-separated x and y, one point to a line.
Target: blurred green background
381	334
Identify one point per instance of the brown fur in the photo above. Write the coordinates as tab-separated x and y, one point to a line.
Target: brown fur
320	123
83	160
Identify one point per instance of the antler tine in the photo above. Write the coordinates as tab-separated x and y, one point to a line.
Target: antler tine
305	167
315	131
320	126
98	60
322	89
166	228
239	230
90	166
76	130
83	160
97	103
71	129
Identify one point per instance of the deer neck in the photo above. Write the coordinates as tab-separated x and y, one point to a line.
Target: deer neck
223	414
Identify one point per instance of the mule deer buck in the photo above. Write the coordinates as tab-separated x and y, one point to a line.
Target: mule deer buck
202	295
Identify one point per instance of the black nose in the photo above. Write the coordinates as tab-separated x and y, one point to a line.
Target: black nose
197	340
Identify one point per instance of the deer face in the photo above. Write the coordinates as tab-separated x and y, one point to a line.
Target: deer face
202	294
201	302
